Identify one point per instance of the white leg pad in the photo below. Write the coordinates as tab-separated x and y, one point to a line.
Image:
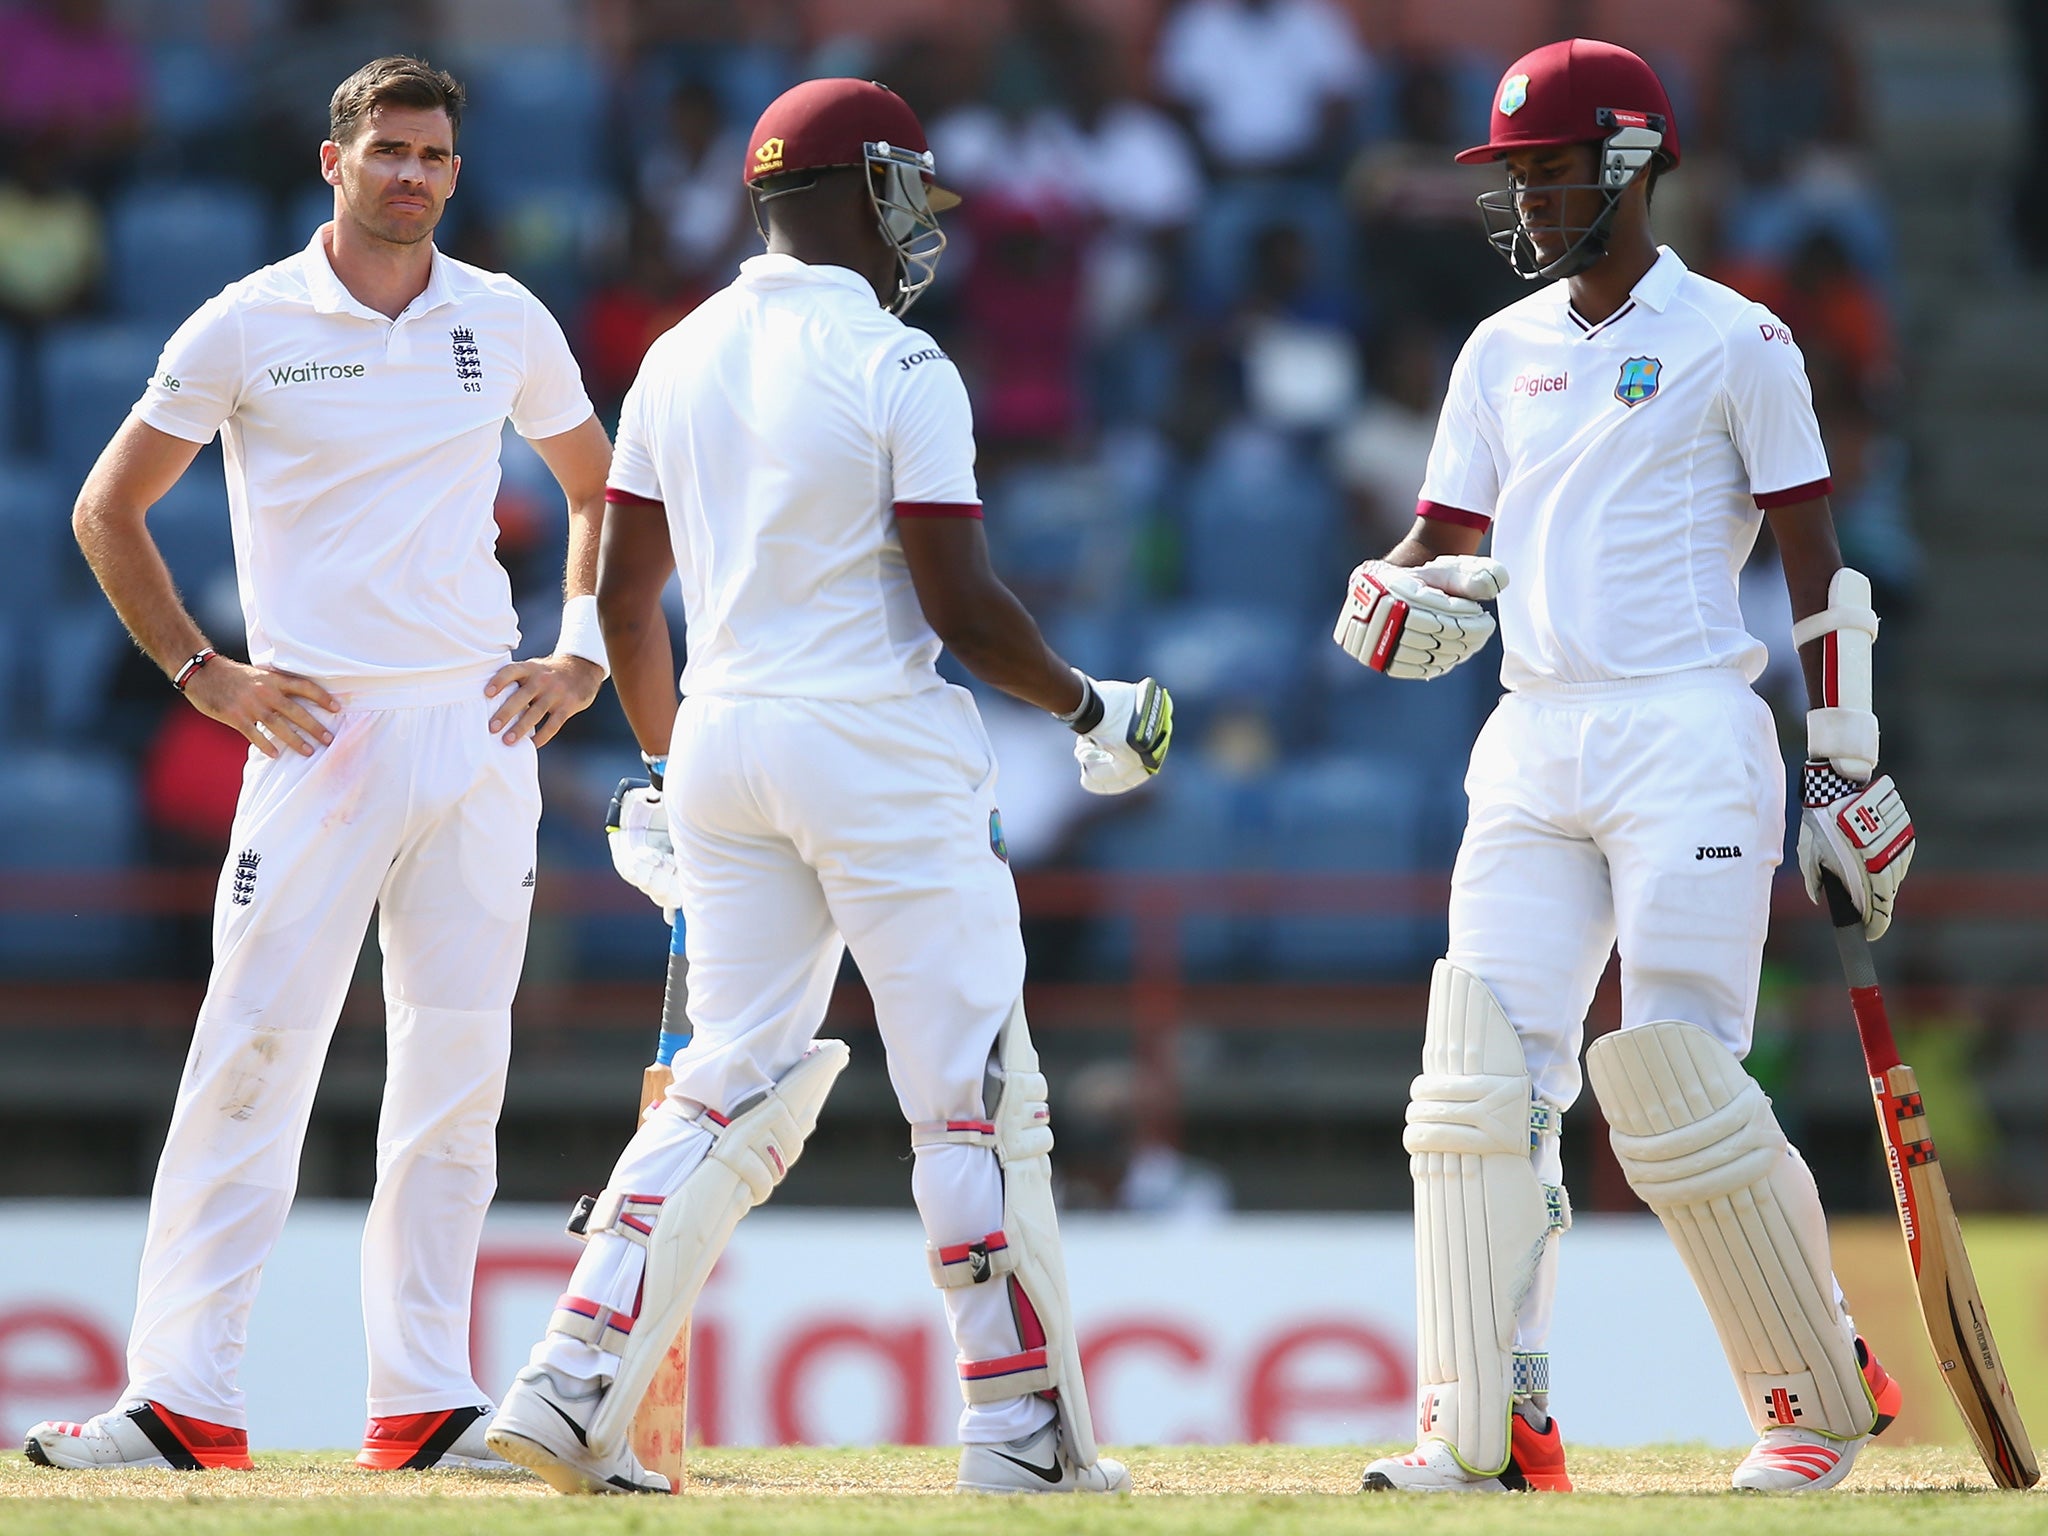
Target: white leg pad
1027	1250
1484	1220
750	1154
1697	1139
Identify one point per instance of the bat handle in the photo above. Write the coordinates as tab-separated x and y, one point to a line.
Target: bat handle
1873	1026
1841	905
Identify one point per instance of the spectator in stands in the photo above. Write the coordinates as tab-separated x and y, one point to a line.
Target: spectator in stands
687	179
1270	86
1299	362
1786	87
1379	455
641	299
1786	109
1415	210
1019	335
52	238
65	69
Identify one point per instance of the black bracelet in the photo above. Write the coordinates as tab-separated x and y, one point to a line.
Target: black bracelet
1089	712
199	658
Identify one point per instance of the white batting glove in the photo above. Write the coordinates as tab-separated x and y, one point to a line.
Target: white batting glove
636	827
1861	833
1470	576
1125	730
1396	622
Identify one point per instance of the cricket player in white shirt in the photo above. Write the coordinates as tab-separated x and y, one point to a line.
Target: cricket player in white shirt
806	462
360	389
1622	432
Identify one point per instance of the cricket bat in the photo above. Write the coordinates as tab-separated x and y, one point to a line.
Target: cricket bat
660	1425
1949	1302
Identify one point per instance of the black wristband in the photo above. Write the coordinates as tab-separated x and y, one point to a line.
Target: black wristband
1089	712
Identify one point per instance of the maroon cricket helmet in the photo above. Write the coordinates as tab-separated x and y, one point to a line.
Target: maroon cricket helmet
1575	92
832	122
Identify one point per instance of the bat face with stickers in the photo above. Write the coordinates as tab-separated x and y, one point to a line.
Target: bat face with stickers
1949	1301
661	1425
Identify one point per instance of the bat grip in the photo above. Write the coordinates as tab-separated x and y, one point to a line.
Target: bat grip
1866	1001
1841	905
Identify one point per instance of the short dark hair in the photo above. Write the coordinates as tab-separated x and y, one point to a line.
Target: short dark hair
396	80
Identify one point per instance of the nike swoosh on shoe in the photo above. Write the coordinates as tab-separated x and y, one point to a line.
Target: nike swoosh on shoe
1049	1474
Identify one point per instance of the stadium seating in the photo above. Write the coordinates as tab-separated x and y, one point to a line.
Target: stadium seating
175	245
535	118
10	393
190	526
91	375
1260	527
65	813
1347	814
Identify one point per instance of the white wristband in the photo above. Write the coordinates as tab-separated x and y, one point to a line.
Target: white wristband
581	634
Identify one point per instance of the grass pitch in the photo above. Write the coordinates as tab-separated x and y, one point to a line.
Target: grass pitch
895	1491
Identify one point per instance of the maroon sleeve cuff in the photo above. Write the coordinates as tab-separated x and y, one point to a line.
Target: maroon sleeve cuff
1437	512
615	497
1792	495
938	509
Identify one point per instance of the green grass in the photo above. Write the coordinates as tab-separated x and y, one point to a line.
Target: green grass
1186	1491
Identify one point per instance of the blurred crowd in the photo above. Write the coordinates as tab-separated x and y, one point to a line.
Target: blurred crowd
1212	268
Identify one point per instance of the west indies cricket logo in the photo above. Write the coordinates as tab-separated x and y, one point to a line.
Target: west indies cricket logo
1638	381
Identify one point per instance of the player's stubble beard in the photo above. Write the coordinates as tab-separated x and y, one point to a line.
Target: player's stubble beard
364	209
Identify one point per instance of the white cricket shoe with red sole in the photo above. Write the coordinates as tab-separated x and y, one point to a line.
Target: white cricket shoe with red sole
139	1435
1535	1465
1038	1463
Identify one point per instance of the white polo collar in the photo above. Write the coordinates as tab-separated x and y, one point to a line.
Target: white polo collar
1653	290
331	297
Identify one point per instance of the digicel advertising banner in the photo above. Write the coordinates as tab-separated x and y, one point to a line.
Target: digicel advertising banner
824	1328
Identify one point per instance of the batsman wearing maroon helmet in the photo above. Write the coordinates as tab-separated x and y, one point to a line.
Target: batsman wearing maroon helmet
1621	433
803	461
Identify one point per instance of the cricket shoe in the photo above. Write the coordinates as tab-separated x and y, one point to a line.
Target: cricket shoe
1038	1463
540	1425
1788	1460
1535	1465
145	1435
446	1437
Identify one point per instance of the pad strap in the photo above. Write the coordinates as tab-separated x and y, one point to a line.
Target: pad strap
1531	1372
595	1324
961	1264
962	1133
994	1381
1832	619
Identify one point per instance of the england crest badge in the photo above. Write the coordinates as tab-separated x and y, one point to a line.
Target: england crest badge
1638	381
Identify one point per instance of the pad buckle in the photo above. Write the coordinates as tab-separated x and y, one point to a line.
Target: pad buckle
578	1225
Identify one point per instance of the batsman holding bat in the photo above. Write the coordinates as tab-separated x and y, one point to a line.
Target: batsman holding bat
1622	432
805	461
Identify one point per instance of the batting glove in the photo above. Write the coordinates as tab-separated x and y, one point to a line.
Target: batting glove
1861	833
636	827
1125	730
1422	621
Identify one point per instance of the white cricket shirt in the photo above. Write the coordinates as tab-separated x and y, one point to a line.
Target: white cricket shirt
785	424
362	458
1623	468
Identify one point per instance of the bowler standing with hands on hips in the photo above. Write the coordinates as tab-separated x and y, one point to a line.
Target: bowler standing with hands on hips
1622	432
359	388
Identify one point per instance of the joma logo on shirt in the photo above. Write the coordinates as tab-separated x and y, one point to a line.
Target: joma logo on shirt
1717	851
929	354
307	373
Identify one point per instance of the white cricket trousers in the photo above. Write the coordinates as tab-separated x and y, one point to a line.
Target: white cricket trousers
804	828
419	810
1647	811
